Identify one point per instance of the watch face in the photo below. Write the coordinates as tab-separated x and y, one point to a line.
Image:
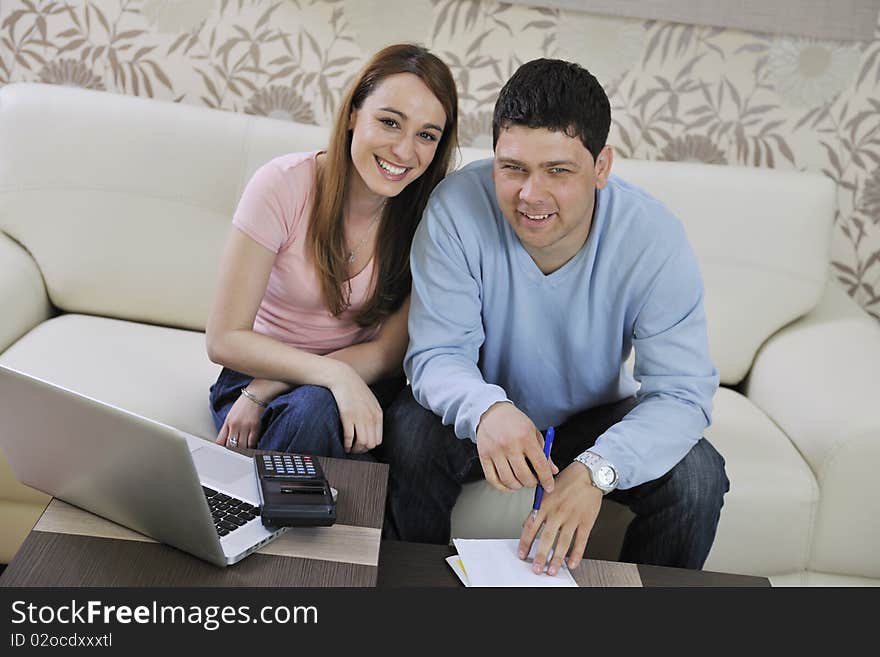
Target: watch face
604	476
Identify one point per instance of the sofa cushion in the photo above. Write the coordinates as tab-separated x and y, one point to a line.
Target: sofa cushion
771	484
125	202
762	237
160	373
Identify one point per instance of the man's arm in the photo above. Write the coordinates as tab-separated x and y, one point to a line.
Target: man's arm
446	334
445	326
678	379
674	407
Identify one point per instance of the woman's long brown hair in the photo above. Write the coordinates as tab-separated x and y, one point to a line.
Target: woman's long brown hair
402	213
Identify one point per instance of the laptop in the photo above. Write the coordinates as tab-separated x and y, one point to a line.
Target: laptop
161	482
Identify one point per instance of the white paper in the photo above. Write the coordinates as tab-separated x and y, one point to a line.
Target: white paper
493	562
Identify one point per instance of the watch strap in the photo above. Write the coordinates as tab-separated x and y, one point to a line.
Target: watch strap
593	462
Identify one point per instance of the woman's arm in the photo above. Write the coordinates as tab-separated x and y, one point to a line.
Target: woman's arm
373	361
266	390
231	341
244	274
382	357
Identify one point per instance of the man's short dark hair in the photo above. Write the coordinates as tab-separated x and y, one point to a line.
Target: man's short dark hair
556	95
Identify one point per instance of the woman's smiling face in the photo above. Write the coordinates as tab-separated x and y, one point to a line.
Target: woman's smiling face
395	133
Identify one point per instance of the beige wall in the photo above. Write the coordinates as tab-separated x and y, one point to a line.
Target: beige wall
678	91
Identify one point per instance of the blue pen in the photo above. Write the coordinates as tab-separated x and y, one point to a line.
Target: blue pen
539	491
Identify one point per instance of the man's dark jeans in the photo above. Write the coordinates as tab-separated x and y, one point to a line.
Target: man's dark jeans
676	515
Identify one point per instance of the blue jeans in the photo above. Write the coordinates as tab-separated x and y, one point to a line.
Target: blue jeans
304	420
676	515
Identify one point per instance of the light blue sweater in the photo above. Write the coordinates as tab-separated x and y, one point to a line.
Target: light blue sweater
486	325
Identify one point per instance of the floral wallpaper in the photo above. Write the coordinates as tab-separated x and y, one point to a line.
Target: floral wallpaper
678	92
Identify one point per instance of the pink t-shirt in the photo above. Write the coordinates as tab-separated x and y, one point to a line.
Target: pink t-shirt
275	210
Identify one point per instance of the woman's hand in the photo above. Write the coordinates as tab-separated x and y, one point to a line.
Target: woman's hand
242	425
359	412
243	420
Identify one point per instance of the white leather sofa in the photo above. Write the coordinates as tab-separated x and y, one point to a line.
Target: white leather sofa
113	211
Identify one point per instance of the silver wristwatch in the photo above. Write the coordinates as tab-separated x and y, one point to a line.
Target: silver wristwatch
603	473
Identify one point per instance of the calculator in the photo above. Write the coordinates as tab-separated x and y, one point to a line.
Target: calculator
294	468
293	491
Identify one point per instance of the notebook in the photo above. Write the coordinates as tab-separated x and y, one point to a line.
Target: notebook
494	562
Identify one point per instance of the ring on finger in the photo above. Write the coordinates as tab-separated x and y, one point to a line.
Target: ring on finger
233	441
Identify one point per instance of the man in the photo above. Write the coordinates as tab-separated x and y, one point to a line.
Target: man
534	275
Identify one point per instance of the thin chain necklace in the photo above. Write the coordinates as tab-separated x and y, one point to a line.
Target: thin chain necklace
352	255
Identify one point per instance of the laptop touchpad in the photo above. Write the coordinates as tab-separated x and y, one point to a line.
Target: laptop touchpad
220	465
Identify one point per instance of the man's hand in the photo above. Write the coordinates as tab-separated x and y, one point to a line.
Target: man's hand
507	442
569	513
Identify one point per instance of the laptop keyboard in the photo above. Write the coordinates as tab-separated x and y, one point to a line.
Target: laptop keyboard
229	513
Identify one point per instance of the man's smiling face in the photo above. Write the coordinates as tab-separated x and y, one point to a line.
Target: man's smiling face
545	184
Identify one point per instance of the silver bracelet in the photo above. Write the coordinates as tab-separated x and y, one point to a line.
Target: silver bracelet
259	402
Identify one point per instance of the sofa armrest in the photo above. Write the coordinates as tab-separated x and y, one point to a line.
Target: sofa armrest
817	380
23	296
25	304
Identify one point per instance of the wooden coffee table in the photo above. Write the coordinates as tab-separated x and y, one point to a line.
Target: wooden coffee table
421	565
71	547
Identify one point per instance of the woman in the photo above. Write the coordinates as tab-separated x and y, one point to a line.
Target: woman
310	316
